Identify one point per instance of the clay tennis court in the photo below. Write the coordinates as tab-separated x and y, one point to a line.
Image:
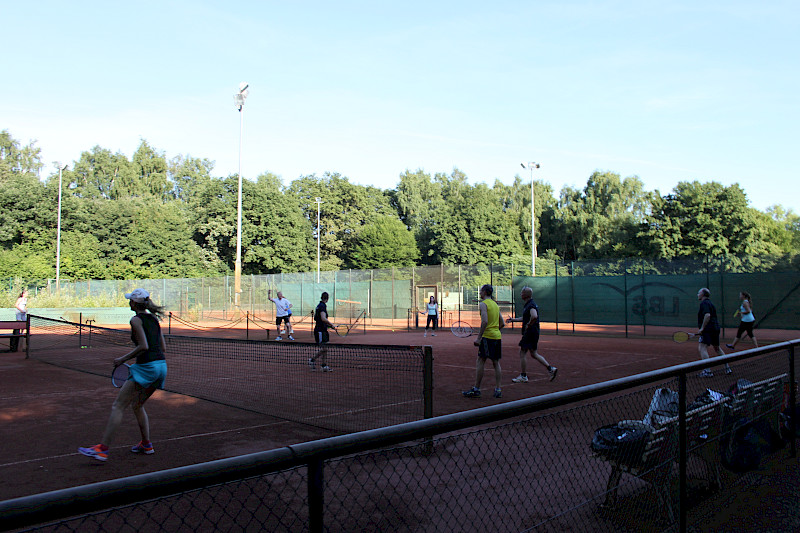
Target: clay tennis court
47	411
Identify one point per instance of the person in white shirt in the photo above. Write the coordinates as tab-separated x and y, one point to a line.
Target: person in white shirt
283	314
432	311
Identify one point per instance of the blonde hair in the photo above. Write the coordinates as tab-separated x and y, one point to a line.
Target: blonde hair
149	305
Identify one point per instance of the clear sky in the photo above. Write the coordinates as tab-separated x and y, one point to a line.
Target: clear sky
667	91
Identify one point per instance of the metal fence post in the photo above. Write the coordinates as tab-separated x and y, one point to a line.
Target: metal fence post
792	402
682	453
316	495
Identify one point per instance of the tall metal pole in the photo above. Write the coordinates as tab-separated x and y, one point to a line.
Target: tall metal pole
319	236
237	283
237	276
58	235
531	165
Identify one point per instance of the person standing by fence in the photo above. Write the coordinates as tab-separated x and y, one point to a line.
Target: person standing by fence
746	321
488	343
708	329
432	312
530	337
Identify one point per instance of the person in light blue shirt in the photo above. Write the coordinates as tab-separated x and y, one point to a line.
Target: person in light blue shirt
746	321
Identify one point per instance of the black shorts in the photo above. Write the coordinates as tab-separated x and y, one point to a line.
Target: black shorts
710	337
745	327
280	319
490	349
529	341
321	336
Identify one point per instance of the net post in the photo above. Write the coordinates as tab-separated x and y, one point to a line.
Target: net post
247	326
80	330
427	365
169	324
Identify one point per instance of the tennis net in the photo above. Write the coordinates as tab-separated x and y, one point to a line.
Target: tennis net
370	386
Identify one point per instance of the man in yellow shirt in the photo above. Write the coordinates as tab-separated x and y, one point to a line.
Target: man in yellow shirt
488	342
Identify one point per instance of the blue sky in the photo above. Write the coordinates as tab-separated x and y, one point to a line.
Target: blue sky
667	91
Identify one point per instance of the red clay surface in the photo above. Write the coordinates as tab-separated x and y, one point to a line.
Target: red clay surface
47	412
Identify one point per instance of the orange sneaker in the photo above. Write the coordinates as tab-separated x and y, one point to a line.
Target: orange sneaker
95	452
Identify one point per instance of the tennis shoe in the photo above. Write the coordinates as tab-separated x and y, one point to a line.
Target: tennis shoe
706	374
520	379
326	368
474	392
425	334
730	346
95	452
553	373
498	393
312	365
728	369
278	338
291	338
146	449
433	334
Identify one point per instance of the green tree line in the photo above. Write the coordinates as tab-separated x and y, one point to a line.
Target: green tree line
156	217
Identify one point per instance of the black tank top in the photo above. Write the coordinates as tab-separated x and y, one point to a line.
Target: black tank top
152	332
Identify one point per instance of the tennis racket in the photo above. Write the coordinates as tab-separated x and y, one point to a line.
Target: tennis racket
120	375
682	336
461	329
342	330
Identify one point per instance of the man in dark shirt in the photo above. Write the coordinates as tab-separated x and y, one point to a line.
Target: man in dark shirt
321	335
708	329
530	337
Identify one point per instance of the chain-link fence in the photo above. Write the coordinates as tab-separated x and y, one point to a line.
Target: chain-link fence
634	293
644	453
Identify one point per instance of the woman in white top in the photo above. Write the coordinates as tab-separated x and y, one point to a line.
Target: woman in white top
747	320
433	316
22	314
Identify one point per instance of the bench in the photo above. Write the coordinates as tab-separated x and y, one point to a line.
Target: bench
704	425
21	329
759	400
655	465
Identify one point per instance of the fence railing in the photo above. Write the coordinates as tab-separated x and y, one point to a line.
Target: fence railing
518	466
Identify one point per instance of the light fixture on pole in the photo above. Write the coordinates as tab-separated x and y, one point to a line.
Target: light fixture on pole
531	165
61	169
319	236
238	100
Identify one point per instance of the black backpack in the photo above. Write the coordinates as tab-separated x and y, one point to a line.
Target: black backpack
621	442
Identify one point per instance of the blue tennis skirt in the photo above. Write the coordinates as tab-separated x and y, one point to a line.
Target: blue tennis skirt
152	374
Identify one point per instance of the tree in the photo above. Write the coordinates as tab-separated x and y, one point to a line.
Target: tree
604	219
346	208
701	219
383	243
419	202
99	174
277	237
18	159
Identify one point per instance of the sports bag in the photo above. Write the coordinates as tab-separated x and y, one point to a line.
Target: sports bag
623	442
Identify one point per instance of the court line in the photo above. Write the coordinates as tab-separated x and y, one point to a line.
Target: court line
172	439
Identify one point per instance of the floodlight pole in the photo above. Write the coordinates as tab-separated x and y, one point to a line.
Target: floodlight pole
58	233
238	99
531	165
319	236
